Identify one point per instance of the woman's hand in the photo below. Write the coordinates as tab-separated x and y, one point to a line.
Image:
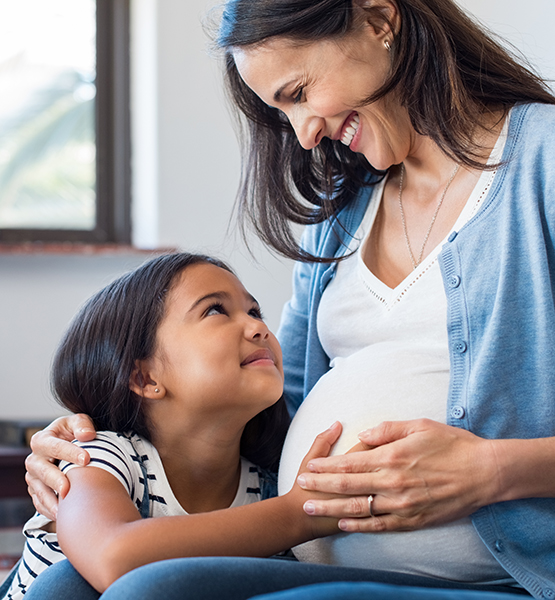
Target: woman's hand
43	477
420	473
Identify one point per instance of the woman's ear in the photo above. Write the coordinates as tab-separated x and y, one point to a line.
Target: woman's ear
144	382
382	15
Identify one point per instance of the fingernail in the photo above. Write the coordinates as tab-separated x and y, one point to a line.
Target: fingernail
364	433
301	480
85	430
334	425
309	508
343	525
81	460
55	512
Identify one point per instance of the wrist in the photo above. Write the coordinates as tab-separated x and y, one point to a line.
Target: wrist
297	518
520	467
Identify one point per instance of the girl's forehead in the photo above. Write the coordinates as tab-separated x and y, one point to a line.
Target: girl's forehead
205	278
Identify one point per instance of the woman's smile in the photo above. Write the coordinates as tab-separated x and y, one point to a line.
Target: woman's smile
350	129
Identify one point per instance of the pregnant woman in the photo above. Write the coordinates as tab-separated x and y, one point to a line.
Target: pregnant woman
420	156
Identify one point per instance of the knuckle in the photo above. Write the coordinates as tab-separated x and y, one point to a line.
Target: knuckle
404	505
378	524
344	466
342	485
358	507
35	440
29	462
396	482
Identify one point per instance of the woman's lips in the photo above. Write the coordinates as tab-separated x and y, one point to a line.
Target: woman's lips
261	357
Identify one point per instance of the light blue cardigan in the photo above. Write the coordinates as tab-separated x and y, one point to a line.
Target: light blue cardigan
499	277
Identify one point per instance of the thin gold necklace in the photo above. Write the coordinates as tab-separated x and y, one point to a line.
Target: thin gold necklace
415	262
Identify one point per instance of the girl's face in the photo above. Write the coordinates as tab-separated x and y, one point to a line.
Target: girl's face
214	351
320	87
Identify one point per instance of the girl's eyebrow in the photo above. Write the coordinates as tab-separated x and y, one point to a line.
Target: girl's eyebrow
218	296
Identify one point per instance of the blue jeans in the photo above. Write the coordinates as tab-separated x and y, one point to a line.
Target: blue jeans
243	578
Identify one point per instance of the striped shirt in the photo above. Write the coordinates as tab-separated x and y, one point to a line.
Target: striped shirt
128	458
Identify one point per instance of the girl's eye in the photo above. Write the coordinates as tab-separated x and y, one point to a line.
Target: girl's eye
215	309
298	95
256	313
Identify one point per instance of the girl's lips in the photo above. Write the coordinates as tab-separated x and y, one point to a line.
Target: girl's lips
262	356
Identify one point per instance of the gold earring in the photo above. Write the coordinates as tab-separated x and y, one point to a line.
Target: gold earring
387	45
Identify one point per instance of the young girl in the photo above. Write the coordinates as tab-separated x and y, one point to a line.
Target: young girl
183	380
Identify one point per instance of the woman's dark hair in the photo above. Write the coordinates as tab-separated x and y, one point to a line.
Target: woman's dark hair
446	70
115	328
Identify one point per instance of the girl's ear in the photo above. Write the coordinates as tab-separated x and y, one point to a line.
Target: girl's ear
142	382
382	15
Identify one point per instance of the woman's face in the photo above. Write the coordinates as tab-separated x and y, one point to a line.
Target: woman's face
320	87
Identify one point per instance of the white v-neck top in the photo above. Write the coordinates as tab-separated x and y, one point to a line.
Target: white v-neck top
390	361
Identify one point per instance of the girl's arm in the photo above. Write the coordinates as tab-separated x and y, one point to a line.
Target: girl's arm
102	534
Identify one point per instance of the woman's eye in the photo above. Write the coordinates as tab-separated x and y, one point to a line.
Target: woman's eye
215	309
298	95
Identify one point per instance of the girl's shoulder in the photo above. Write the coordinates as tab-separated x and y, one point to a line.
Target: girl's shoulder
120	454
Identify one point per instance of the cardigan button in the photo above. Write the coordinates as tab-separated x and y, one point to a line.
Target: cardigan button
461	347
457	412
452	236
548	593
499	546
454	281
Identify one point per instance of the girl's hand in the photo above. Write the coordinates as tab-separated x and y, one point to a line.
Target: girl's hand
321	448
43	477
420	473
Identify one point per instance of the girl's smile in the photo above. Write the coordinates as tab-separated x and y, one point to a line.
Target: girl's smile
263	357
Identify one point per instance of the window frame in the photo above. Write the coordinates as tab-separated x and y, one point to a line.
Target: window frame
113	138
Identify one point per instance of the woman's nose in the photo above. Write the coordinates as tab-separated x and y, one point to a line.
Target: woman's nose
309	128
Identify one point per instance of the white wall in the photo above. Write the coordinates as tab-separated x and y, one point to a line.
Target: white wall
528	26
187	175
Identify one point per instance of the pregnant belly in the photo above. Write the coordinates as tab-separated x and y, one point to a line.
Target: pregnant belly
361	392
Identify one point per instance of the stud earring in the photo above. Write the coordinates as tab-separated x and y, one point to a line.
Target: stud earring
387	45
156	390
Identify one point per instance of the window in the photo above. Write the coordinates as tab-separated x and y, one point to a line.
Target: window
64	121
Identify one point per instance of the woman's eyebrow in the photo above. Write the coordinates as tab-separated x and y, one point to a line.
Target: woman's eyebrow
279	91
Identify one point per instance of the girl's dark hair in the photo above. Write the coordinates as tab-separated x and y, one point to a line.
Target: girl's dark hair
446	70
115	328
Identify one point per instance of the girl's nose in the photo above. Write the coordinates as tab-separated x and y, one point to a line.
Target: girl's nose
256	329
309	128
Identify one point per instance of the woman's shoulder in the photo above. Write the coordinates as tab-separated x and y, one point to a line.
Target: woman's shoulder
533	122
